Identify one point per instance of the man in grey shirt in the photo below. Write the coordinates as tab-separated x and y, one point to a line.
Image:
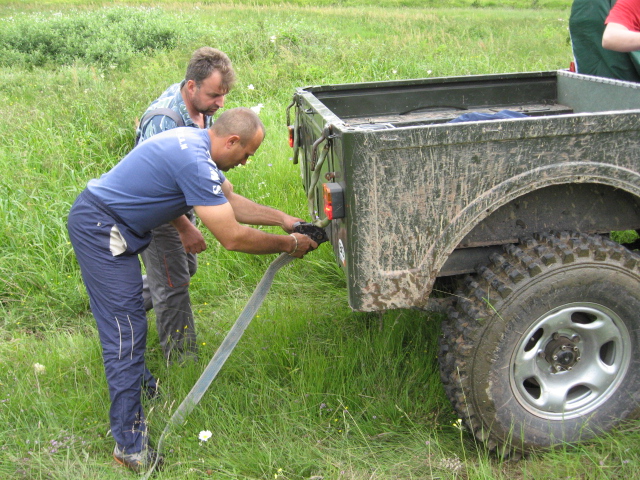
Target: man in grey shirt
170	260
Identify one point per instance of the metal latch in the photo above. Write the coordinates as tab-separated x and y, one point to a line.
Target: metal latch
294	135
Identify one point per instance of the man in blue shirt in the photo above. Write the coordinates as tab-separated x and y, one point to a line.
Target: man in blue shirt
170	260
110	223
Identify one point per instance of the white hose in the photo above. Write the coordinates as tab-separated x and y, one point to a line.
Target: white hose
223	352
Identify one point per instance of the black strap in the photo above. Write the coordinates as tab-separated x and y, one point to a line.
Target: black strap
165	112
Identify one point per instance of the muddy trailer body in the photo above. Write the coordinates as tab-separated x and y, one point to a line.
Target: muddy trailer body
542	333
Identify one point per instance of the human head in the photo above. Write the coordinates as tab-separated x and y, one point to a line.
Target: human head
209	77
240	121
235	136
205	61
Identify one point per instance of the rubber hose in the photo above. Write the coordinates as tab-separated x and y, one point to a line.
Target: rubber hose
223	352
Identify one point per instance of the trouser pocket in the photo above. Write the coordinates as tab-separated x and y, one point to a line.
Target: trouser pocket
123	240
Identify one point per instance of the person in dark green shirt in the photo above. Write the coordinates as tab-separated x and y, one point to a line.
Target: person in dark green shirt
586	25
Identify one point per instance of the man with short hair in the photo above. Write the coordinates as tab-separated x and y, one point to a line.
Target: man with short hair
170	260
111	222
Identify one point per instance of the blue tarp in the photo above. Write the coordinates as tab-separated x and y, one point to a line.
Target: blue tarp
481	117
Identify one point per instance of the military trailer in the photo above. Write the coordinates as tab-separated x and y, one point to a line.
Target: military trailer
541	344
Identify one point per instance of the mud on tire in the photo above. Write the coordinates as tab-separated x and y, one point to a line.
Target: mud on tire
543	345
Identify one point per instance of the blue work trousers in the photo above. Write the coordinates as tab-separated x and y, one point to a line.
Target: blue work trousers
107	252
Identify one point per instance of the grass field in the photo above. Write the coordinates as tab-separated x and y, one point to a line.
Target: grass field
313	390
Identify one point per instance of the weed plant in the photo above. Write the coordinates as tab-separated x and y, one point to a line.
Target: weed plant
108	38
313	390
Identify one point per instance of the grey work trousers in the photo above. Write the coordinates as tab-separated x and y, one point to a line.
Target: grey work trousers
166	289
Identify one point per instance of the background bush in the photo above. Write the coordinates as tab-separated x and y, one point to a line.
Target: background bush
108	37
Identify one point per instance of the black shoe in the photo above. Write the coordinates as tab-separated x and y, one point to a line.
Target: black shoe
138	461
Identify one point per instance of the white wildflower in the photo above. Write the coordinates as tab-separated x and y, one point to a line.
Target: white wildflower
454	464
251	87
38	368
205	435
257	108
273	39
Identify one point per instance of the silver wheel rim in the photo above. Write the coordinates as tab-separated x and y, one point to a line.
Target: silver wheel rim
570	361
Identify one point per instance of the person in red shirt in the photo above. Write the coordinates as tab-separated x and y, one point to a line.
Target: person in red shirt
622	33
586	26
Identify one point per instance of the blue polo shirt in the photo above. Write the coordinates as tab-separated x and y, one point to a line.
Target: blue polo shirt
161	179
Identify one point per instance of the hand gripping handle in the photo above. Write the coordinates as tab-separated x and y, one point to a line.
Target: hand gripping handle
316	234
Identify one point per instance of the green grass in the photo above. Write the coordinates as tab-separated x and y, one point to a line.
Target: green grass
520	4
313	389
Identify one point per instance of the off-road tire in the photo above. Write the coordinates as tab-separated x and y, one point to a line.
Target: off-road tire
501	356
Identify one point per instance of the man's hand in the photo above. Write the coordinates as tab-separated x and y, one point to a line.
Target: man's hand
303	245
289	221
221	221
191	238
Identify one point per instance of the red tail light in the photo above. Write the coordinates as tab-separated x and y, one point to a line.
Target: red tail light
291	136
333	200
328	205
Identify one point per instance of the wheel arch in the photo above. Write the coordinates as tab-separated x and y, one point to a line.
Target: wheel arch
505	193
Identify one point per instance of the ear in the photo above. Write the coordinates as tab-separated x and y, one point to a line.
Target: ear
191	86
232	140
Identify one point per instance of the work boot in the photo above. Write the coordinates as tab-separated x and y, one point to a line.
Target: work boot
138	461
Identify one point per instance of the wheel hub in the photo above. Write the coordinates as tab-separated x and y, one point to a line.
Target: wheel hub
571	360
562	352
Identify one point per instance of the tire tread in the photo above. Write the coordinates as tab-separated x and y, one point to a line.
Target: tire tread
474	304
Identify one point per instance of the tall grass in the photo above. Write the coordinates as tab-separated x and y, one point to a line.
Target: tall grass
64	124
313	390
521	4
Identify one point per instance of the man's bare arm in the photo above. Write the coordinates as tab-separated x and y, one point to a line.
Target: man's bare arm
252	213
221	221
619	38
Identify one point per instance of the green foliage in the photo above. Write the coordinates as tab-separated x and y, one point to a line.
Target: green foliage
292	48
107	37
628	236
391	4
